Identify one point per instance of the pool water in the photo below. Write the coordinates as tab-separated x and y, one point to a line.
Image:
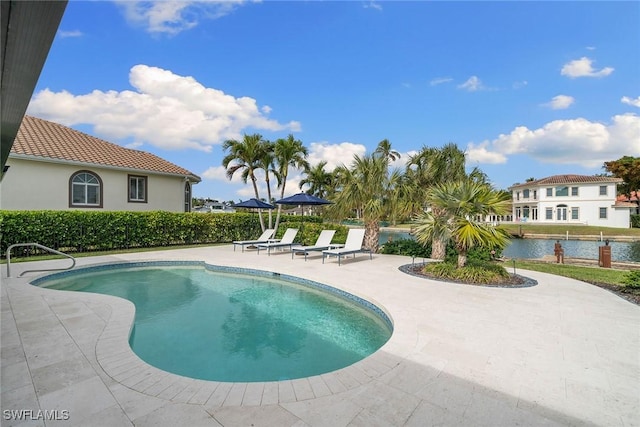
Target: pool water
234	327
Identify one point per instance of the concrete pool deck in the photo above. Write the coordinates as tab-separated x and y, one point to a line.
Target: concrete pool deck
560	353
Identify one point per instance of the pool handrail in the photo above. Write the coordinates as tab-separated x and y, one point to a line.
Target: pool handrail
38	245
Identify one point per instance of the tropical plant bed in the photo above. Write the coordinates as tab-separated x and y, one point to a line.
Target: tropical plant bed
511	281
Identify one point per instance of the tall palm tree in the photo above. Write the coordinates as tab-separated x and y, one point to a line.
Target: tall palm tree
245	156
318	180
267	164
366	186
460	204
384	150
289	152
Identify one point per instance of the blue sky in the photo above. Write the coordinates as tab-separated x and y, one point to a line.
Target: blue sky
527	89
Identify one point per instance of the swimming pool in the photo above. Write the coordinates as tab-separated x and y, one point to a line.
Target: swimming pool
236	325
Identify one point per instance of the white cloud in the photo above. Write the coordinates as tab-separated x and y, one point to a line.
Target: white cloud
401	163
334	154
73	33
473	84
174	16
166	110
560	102
373	5
480	153
575	141
582	68
440	80
631	101
218	173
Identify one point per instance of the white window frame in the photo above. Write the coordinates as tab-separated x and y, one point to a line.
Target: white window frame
80	183
600	212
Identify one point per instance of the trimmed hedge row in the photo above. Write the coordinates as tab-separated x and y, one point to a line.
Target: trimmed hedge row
80	231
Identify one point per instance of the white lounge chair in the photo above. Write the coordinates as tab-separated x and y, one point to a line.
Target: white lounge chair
353	245
323	242
287	240
264	238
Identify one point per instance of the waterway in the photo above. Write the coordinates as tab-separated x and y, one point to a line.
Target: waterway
537	248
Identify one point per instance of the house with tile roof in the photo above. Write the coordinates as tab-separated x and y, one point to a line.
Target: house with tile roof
570	199
54	167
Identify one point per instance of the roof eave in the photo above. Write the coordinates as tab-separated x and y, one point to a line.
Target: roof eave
191	176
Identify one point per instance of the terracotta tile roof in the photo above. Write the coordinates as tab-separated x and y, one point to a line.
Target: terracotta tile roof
633	197
567	179
41	138
620	204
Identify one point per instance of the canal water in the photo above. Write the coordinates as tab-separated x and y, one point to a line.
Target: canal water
537	248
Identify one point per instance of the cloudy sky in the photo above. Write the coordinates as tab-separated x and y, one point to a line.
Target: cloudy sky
527	89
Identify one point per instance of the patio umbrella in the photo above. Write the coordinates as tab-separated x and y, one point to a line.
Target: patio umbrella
254	204
303	199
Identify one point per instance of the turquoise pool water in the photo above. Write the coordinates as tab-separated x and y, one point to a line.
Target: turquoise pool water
234	327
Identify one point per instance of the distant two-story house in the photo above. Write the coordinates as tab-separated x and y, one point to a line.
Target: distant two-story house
54	167
570	199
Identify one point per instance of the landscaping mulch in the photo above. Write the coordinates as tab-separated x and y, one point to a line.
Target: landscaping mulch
514	280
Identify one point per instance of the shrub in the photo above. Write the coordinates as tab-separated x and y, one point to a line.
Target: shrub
474	254
635	220
80	231
407	247
475	272
632	279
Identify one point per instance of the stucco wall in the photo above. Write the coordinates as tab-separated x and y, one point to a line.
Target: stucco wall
30	185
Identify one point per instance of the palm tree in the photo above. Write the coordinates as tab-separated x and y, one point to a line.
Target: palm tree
384	150
433	166
245	156
289	152
318	180
367	187
266	161
460	204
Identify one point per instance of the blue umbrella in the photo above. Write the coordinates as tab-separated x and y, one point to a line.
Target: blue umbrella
303	199
254	204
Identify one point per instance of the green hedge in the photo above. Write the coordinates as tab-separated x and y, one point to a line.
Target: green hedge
82	231
635	221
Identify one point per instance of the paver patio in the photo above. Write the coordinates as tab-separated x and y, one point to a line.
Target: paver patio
559	353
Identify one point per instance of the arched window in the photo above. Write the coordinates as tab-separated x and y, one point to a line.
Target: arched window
85	190
187	196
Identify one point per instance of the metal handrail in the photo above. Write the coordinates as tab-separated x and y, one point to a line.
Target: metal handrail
38	245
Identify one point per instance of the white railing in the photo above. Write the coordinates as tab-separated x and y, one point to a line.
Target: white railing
37	245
